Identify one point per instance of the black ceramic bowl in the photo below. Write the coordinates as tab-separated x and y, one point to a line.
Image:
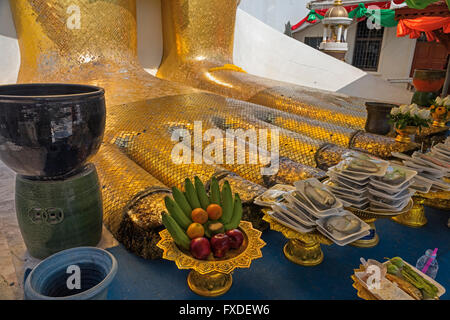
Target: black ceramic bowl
50	130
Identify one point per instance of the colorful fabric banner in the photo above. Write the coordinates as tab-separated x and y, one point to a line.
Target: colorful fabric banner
413	27
321	12
313	16
383	17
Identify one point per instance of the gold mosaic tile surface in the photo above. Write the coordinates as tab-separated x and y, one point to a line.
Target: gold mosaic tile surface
100	49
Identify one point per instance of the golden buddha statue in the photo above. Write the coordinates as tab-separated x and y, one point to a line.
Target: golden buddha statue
94	42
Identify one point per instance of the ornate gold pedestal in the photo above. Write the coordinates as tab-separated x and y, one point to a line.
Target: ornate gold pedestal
212	278
415	217
301	248
212	284
303	253
404	135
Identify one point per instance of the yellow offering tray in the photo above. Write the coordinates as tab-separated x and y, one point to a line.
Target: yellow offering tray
370	217
301	248
212	277
364	293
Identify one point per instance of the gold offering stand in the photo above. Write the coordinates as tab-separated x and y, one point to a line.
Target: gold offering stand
301	248
415	217
212	277
370	217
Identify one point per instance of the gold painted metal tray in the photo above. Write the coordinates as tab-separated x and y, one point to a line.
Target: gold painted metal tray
365	294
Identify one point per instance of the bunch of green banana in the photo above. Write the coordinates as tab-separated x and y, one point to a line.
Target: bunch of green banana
179	235
232	208
178	219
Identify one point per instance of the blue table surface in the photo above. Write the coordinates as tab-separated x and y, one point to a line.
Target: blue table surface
275	277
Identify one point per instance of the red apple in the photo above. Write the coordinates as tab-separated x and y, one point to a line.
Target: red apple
220	244
200	248
236	238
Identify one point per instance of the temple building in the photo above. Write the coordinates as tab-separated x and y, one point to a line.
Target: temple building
377	49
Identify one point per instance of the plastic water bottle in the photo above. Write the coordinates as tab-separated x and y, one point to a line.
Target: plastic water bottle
432	268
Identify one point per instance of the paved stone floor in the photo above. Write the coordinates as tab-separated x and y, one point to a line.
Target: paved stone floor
14	258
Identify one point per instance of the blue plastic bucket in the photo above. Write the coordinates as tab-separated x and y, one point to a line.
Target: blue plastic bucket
82	273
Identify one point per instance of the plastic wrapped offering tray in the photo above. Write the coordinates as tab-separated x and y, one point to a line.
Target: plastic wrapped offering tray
394	279
432	168
363	182
311	205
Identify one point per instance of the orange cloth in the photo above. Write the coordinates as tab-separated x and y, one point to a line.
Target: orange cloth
414	27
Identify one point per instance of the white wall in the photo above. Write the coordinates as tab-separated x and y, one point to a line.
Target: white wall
276	13
396	53
263	51
9	48
149	32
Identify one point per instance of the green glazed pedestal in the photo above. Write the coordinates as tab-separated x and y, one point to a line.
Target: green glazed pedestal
424	99
56	215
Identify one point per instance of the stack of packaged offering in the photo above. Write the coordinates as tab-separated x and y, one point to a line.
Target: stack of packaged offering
311	205
350	179
391	192
431	168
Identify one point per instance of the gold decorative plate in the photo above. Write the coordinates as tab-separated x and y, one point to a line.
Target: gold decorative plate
211	278
243	259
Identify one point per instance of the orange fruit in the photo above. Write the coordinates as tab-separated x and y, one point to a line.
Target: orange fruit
195	230
214	211
199	215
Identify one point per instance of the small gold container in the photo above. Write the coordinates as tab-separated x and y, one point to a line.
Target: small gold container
415	217
212	278
440	124
439	121
404	135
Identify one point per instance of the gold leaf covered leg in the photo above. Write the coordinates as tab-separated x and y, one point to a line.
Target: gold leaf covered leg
304	253
212	284
415	217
